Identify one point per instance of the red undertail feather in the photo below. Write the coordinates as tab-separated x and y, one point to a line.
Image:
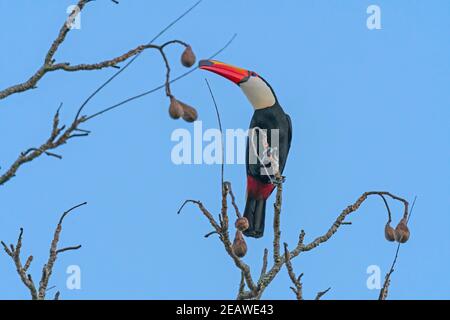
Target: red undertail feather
258	189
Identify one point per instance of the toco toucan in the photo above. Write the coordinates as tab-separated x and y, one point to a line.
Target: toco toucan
268	144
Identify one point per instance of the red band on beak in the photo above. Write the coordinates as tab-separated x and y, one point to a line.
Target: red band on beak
232	73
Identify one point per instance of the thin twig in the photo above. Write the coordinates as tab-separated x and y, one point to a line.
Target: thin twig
387	207
266	277
115	75
298	290
48	64
387	280
219	121
14	253
322	293
222	230
233	199
145	93
276	223
241	290
54	142
265	262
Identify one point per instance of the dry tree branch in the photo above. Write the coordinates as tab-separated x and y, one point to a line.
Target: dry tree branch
48	64
145	93
322	293
340	220
60	135
387	280
222	229
256	290
298	290
14	252
276	223
241	286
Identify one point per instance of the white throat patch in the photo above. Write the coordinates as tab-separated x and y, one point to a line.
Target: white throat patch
258	93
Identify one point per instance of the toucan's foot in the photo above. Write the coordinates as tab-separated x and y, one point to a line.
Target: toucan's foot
279	180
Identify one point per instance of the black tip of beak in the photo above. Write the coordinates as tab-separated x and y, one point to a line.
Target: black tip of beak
205	63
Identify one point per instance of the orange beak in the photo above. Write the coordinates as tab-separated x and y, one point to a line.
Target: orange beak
232	73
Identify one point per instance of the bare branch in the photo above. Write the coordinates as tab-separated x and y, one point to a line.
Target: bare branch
266	277
222	229
58	137
68	249
61	135
298	290
48	61
340	219
145	93
205	212
387	280
241	290
14	253
264	265
48	267
276	223
50	65
222	165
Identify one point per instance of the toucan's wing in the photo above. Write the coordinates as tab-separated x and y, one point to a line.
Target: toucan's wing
289	131
254	160
253	164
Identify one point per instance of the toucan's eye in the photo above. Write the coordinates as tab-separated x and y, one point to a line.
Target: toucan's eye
253	74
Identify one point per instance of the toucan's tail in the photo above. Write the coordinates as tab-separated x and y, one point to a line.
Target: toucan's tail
255	212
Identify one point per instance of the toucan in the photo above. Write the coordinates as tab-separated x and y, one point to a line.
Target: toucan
268	143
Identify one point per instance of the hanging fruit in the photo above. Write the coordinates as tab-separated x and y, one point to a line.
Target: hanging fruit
239	246
189	113
188	57
175	108
389	232
402	231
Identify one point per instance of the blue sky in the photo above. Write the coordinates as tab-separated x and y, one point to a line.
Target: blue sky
370	111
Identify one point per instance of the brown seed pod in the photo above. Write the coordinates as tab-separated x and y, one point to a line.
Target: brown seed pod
389	232
239	246
189	113
175	109
241	224
188	57
402	231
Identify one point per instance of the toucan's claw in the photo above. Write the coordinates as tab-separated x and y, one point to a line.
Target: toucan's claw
279	180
